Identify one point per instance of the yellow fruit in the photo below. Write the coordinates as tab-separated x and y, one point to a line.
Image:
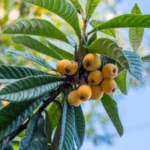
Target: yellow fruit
71	68
84	92
97	92
73	98
108	86
91	62
110	71
95	77
61	66
53	72
4	103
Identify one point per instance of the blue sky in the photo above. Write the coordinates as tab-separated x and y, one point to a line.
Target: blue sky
134	108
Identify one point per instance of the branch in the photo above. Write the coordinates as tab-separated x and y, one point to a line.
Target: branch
121	70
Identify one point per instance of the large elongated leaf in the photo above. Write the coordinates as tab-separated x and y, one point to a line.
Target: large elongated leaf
36	45
80	126
35	137
29	88
110	32
121	81
62	8
64	54
136	34
90	7
112	111
125	21
32	57
67	128
36	27
128	60
12	73
14	114
146	58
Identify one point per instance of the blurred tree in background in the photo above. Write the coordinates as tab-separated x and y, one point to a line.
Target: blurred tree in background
97	129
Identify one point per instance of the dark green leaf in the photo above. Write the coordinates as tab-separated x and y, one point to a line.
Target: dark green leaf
7	146
65	54
112	112
36	27
14	114
110	32
127	59
62	8
92	38
146	58
29	88
32	57
125	21
67	128
136	34
121	81
35	137
90	7
12	73
135	64
36	45
80	126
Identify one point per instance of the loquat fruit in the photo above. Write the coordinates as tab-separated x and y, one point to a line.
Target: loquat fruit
97	92
95	77
84	92
71	68
91	62
61	66
4	103
53	72
108	86
73	98
110	71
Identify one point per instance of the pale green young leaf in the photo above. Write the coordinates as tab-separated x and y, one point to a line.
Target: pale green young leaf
136	34
90	7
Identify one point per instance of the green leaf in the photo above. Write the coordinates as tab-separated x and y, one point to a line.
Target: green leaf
111	32
90	7
13	73
135	64
136	34
36	27
78	6
64	54
127	59
7	146
68	128
29	88
92	38
35	137
14	114
36	45
125	21
62	8
80	126
121	81
112	111
32	57
146	58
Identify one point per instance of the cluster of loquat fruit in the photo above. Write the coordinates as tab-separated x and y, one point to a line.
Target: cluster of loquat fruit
99	78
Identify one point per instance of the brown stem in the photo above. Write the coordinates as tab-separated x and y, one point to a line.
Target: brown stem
121	70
